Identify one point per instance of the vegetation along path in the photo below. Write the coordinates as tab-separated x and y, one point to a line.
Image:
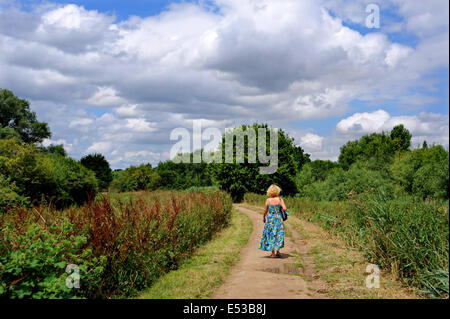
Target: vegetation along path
312	265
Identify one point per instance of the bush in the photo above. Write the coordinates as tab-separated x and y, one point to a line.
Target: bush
38	175
9	197
28	168
340	183
74	184
136	178
120	246
423	172
32	264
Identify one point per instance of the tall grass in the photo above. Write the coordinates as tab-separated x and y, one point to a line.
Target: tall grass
406	236
122	244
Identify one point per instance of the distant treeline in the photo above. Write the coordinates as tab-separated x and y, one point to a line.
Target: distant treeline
376	162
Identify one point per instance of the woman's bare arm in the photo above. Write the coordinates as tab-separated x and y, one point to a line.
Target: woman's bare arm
266	209
283	205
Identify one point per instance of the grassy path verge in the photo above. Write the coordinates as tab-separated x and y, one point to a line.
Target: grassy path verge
199	275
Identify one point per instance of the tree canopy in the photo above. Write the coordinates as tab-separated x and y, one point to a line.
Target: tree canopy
100	166
239	178
15	114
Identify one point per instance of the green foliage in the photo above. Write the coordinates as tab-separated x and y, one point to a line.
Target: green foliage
100	166
183	175
8	132
136	178
423	172
401	138
74	183
121	247
40	176
312	172
54	149
239	178
407	236
33	263
15	113
28	168
340	184
377	148
9	198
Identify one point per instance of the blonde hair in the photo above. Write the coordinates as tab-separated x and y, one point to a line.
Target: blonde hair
273	191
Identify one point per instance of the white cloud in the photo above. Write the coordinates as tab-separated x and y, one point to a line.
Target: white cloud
99	147
81	122
67	146
311	142
106	97
361	123
276	61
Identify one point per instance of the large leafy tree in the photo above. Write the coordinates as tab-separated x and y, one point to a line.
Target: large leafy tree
377	149
15	114
100	166
401	138
239	178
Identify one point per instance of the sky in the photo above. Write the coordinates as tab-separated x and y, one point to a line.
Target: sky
117	77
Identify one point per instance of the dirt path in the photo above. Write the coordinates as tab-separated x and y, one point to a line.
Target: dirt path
256	276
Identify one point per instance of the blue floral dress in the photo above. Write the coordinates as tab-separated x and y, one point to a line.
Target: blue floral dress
273	233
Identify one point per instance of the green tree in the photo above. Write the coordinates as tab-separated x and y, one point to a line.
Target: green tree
100	166
239	178
15	113
377	149
38	176
401	138
178	175
55	149
135	178
422	172
74	183
28	168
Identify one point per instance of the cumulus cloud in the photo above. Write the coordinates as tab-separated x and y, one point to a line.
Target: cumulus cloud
311	142
224	61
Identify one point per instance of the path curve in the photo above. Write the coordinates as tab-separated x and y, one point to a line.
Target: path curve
256	276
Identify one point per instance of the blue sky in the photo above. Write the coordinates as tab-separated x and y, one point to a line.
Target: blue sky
123	9
107	82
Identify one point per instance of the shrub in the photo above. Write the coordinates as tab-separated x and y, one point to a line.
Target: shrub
9	197
137	178
339	183
423	172
28	168
121	246
33	261
38	175
75	184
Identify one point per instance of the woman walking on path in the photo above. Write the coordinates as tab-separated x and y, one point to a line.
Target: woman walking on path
273	234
